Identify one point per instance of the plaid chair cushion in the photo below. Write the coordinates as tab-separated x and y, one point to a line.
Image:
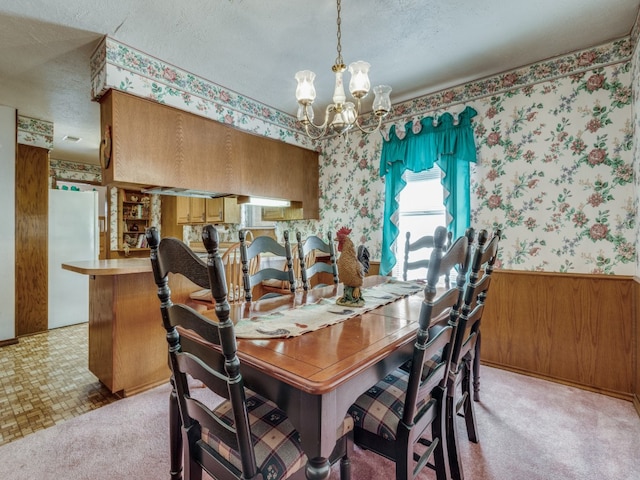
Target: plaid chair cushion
380	409
276	442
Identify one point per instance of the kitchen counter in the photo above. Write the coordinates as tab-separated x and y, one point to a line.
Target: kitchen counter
114	266
127	342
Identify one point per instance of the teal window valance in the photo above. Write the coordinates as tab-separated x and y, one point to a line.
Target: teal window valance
446	143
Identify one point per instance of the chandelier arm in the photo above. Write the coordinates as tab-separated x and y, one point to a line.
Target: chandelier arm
321	128
366	131
310	135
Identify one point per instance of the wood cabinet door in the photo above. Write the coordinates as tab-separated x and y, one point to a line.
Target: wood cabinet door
214	209
194	210
197	210
214	157
222	210
190	210
270	214
182	210
231	210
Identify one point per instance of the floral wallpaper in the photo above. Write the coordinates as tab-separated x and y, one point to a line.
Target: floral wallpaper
554	171
635	88
351	192
547	70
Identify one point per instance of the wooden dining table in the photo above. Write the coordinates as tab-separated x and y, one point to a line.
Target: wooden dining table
316	376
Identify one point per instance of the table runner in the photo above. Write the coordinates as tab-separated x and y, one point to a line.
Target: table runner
325	312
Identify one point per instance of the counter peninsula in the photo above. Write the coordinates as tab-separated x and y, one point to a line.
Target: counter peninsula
127	342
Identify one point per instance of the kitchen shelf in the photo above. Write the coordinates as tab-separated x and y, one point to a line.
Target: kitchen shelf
133	209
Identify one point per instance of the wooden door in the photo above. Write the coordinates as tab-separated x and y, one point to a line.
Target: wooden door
32	227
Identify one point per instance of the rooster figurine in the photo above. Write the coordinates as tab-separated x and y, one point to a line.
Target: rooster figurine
351	269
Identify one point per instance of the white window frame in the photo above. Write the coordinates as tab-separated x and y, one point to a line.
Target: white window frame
415	204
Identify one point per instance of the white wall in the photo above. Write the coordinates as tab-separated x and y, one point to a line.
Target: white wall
7	221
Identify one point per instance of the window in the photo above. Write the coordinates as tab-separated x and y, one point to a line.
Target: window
253	217
421	211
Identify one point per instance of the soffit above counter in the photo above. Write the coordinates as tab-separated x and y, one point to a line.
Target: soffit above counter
153	146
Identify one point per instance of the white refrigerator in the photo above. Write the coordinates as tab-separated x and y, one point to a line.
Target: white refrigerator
73	236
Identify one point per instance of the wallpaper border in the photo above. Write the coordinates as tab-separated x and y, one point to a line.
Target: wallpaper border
122	67
35	132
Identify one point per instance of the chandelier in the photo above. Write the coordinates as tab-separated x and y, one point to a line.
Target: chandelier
345	114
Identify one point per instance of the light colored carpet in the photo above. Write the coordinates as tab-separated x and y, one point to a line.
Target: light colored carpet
530	430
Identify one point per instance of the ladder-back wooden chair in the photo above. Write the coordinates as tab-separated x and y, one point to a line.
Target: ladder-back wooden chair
407	408
246	436
465	357
309	264
202	299
416	253
232	261
283	277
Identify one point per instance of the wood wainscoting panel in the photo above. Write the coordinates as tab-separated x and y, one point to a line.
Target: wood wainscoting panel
32	227
636	339
574	329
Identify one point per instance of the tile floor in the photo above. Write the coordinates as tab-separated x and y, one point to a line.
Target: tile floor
45	379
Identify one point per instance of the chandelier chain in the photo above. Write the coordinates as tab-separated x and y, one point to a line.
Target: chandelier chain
339	60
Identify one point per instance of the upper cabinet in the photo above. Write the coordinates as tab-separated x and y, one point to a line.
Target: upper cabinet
222	210
189	210
197	210
147	144
273	214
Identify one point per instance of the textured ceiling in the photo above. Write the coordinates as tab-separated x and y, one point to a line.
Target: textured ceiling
254	47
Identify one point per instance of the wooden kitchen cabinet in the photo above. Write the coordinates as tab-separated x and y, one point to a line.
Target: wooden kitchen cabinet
273	214
197	210
190	210
183	209
222	210
155	145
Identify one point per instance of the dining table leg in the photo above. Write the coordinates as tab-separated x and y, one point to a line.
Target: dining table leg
314	417
318	468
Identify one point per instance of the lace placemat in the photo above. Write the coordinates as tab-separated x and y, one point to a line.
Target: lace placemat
325	312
